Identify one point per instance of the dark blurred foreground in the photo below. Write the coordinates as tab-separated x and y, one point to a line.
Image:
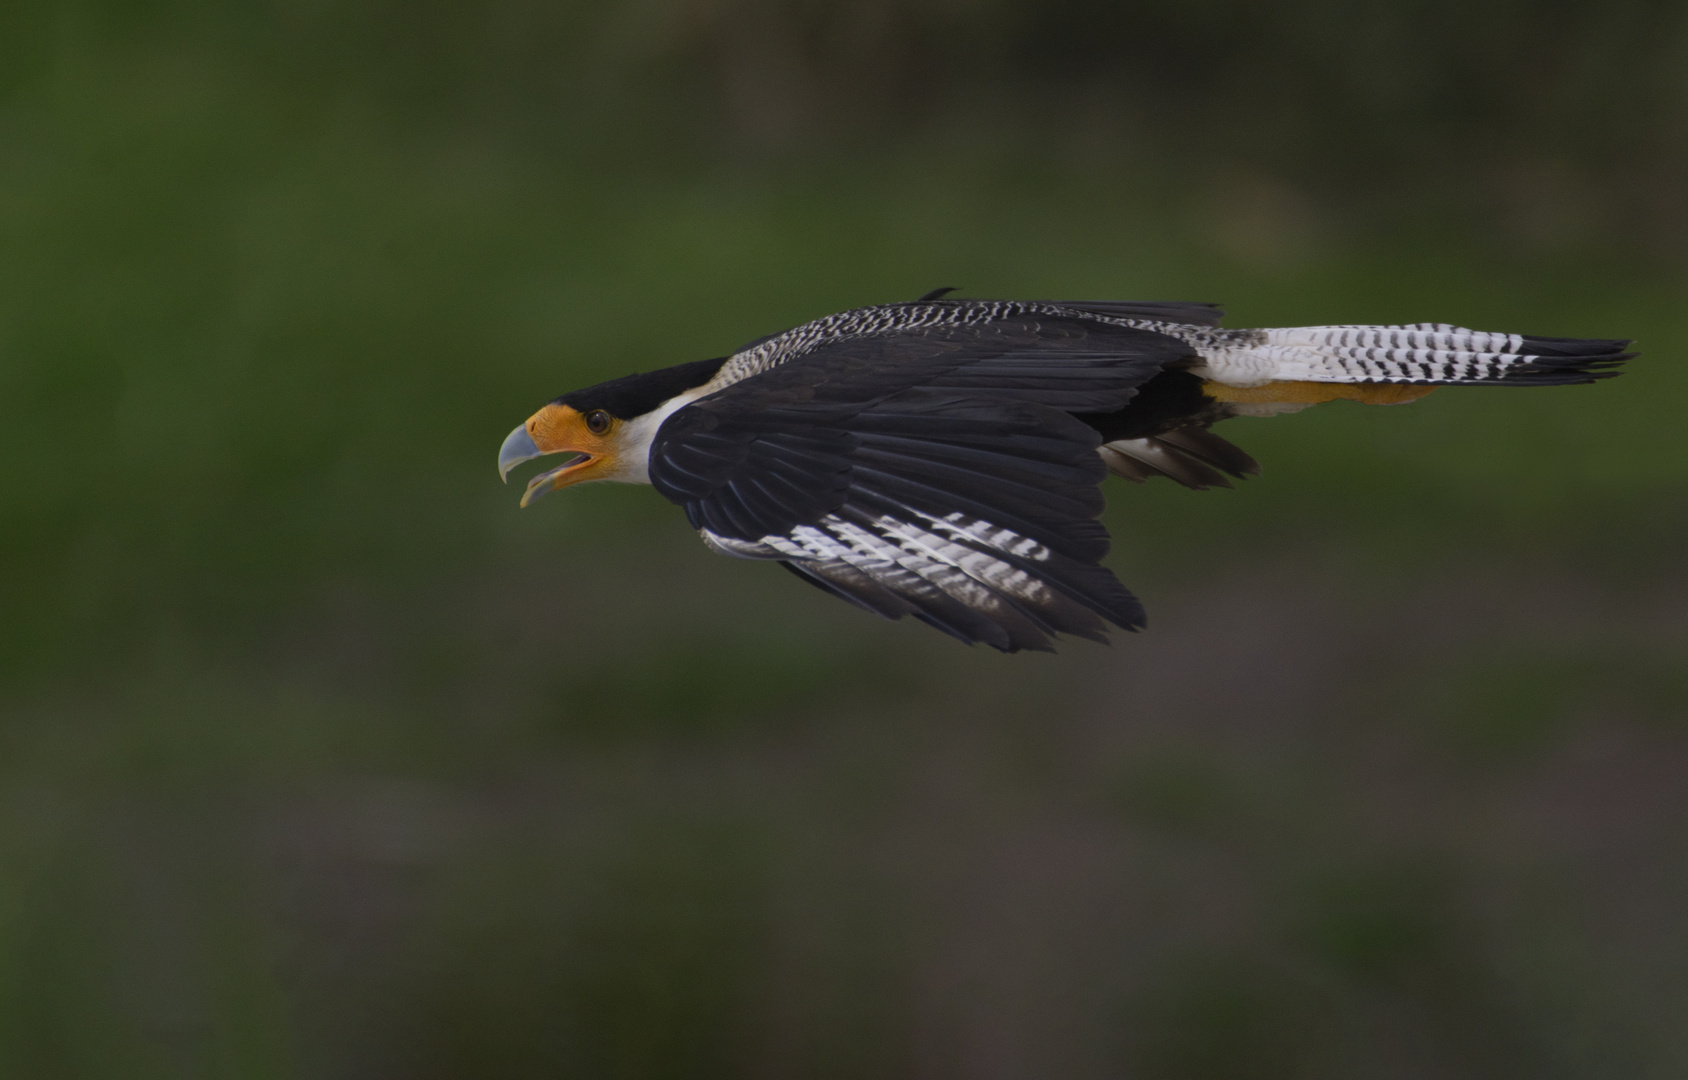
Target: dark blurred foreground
317	758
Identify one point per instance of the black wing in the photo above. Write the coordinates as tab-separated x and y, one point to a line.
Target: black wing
935	472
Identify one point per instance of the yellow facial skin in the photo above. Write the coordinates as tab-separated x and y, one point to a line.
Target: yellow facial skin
559	429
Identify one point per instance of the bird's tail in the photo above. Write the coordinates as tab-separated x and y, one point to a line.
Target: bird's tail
1427	354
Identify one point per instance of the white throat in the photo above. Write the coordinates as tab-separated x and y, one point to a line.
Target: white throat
633	449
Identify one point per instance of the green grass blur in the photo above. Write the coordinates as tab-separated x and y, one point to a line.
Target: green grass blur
318	758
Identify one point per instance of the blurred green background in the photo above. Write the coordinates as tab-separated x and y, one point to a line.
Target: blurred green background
319	759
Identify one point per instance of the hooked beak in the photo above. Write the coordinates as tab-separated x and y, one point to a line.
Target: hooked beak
518	447
559	431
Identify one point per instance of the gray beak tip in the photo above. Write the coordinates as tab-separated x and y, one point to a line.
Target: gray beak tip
518	447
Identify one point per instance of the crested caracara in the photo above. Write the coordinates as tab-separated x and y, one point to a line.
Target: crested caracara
944	458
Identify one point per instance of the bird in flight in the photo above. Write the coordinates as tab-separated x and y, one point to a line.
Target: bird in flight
944	458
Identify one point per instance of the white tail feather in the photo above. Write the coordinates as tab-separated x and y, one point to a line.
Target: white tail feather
1417	353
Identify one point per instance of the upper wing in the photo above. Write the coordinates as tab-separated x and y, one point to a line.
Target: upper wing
935	471
933	312
1186	312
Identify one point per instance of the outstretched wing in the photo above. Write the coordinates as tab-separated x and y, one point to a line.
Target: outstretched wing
935	471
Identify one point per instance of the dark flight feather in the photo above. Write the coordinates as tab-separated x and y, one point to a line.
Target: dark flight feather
937	472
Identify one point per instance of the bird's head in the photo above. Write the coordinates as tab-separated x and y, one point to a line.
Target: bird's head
608	427
592	435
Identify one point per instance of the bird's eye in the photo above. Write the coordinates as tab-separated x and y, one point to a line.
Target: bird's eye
598	421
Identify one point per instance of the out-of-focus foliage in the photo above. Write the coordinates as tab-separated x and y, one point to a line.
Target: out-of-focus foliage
318	758
1559	117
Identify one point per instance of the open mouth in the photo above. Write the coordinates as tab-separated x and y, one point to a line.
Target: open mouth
519	447
545	482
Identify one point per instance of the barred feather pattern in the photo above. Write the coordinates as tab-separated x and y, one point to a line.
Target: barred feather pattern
1433	353
903	318
966	576
1436	353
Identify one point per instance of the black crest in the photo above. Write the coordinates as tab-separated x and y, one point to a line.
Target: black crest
636	395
